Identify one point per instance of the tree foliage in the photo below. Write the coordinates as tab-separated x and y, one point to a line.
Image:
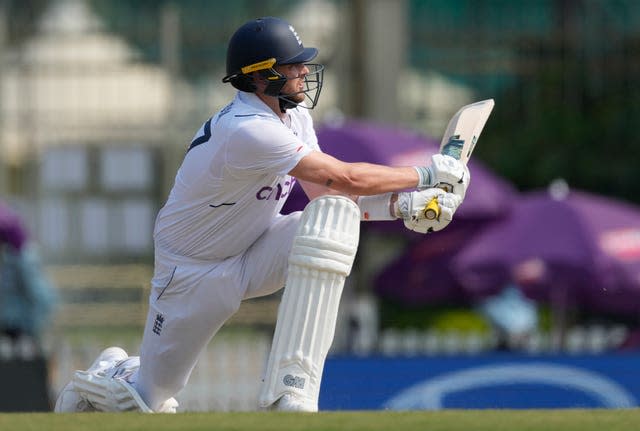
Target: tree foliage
568	113
204	30
22	18
570	117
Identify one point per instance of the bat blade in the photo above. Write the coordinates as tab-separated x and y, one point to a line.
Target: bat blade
462	133
460	139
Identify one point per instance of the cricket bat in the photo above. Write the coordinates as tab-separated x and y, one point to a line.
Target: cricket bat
459	140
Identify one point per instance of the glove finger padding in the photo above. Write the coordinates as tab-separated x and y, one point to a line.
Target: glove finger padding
448	202
412	204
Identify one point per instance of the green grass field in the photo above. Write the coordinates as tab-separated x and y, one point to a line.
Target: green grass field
446	420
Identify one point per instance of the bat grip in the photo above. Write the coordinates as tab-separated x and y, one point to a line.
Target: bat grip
432	210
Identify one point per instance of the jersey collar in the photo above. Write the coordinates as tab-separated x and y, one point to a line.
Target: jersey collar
250	99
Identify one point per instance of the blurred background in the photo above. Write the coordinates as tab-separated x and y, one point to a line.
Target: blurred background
99	100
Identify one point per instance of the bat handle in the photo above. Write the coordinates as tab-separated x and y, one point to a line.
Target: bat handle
432	210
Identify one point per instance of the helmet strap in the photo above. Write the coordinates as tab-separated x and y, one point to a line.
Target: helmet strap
285	104
275	81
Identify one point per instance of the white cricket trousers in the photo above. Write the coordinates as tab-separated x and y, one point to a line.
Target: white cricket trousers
191	299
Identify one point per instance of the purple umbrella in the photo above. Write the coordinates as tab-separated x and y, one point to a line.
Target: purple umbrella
422	275
488	196
583	249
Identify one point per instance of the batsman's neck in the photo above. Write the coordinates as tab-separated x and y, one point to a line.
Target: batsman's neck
274	104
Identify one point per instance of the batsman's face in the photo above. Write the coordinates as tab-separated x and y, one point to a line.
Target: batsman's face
295	85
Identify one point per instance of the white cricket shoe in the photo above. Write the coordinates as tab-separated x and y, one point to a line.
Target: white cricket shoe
110	389
169	406
69	399
290	403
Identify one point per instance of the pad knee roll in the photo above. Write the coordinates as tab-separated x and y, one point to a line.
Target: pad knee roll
321	258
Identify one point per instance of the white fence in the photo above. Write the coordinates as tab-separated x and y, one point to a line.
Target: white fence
228	374
105	305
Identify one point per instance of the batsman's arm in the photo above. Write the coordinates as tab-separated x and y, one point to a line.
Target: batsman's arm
361	179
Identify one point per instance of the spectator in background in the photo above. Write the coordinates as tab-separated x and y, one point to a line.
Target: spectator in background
513	316
26	297
11	231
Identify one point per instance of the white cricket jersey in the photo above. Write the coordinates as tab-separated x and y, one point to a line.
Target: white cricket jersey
233	180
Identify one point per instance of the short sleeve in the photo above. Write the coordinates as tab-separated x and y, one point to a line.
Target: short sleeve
262	147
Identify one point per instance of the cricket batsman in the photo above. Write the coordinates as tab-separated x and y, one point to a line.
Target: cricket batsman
220	237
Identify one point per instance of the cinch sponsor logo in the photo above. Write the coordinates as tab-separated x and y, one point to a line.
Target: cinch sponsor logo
278	192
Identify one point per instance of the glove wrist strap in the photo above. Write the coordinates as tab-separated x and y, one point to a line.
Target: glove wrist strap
424	177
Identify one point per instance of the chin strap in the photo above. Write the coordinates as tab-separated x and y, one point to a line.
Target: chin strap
285	104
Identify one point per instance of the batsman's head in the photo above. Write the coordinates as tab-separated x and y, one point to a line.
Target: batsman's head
266	54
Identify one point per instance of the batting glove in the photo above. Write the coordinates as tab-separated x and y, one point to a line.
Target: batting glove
444	172
411	207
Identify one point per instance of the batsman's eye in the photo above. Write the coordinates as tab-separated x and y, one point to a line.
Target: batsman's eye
329	182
